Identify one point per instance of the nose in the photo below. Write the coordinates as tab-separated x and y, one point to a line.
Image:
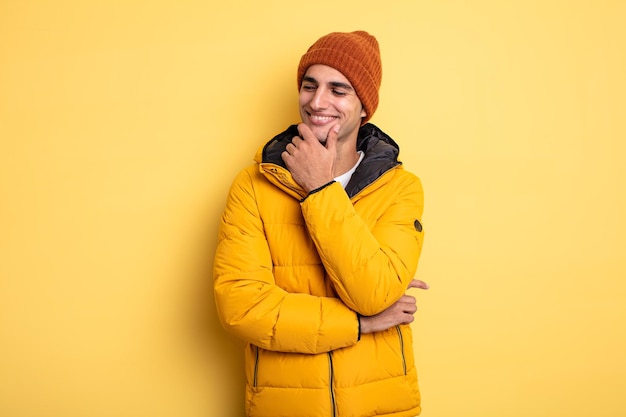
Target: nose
320	99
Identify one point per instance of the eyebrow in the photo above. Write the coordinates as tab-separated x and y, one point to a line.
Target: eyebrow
336	84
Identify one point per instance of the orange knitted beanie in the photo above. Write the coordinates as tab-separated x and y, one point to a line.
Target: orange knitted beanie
357	56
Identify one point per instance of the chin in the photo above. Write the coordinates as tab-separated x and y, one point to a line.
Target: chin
321	133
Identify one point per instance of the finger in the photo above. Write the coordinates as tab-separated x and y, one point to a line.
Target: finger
407	299
295	141
416	283
305	132
331	139
409	308
406	318
285	155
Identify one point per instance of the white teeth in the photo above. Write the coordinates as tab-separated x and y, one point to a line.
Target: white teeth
322	118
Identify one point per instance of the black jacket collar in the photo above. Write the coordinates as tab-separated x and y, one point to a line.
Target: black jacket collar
381	154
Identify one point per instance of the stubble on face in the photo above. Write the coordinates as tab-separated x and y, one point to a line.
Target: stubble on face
326	99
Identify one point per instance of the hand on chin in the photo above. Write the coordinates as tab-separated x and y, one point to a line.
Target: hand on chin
321	132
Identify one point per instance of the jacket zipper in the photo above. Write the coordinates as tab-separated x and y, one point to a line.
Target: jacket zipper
330	386
401	348
275	169
256	366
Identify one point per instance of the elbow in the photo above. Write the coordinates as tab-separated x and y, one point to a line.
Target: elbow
374	300
368	307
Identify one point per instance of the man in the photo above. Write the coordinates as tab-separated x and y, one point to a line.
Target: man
318	243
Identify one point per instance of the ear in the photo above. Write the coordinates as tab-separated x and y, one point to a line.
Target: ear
363	113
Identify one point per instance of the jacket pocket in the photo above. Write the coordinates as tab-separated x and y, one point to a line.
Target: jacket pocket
402	353
267	368
256	366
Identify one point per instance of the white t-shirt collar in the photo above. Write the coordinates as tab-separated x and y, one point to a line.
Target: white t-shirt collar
344	179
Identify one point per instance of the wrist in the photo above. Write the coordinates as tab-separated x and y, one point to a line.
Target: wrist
320	188
364	325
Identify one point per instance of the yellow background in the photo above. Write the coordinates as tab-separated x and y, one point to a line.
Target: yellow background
122	124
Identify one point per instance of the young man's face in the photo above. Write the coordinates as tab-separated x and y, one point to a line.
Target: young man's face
326	99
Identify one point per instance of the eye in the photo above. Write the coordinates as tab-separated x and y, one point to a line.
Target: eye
339	93
308	87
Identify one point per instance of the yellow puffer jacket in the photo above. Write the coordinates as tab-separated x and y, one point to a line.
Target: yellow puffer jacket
291	275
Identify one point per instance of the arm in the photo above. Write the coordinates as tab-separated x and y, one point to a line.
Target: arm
400	312
370	265
249	303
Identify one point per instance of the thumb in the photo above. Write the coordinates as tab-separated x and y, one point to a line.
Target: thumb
416	283
331	139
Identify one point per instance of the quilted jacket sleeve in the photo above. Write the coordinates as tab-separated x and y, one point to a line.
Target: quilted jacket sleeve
249	303
370	264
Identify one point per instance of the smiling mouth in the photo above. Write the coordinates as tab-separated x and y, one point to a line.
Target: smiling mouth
319	119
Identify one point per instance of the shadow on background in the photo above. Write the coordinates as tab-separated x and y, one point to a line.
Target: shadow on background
221	353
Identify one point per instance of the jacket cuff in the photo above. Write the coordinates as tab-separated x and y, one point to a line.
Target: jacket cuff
317	190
